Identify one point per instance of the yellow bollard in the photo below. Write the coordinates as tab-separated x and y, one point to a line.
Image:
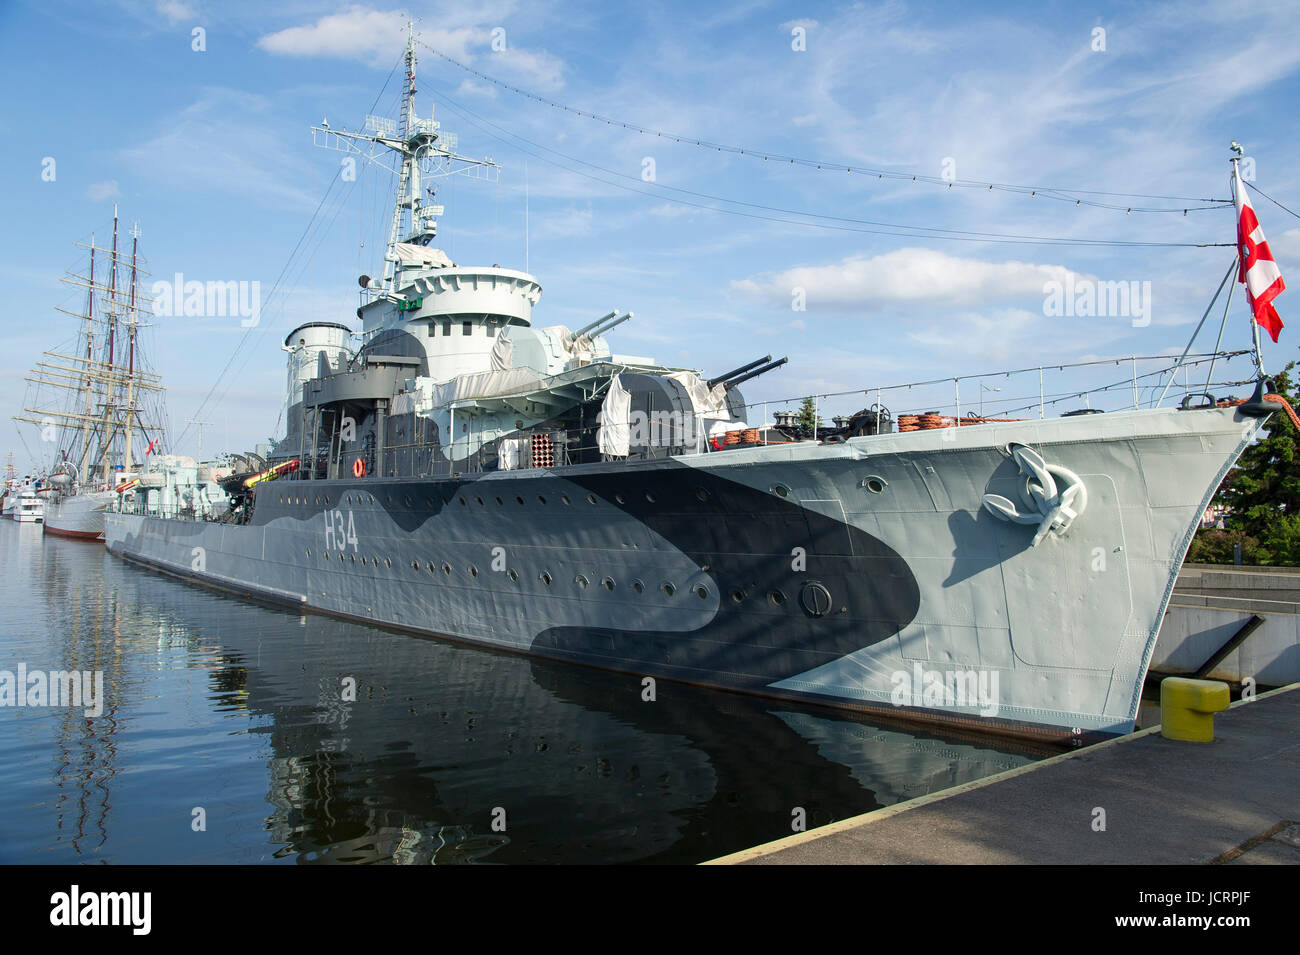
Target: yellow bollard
1187	708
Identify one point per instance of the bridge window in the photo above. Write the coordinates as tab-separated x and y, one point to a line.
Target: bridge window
446	326
467	328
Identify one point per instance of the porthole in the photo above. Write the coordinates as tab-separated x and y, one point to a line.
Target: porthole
406	501
874	484
702	592
776	596
701	494
581	581
500	503
638	587
429	566
428	502
545	578
415	566
608	584
780	490
462	500
520	500
649	497
669	590
619	498
512	574
388	562
308	551
591	499
364	561
352	557
564	498
473	571
479	500
738	596
446	569
541	500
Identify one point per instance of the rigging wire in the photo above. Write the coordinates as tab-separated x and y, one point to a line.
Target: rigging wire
248	333
824	221
1047	192
1272	200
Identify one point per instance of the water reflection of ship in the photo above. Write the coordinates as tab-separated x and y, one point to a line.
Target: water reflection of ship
88	621
583	767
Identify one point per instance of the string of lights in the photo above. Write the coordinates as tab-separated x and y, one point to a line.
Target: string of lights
1079	197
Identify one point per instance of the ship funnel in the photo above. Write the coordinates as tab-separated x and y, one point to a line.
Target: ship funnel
754	374
714	382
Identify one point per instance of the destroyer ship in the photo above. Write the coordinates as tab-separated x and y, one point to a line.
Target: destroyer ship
458	470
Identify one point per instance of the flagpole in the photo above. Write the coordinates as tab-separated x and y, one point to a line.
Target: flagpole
1236	203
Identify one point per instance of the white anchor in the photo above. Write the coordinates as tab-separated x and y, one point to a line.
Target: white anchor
1051	506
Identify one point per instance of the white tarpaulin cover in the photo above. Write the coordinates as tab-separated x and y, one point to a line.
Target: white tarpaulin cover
408	253
508	453
615	425
502	351
709	405
487	384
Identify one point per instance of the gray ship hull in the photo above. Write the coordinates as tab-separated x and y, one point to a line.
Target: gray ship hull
866	574
78	515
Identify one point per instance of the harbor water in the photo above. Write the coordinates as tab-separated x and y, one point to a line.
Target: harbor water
235	732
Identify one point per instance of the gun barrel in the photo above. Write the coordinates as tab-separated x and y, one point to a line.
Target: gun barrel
586	328
604	329
759	371
713	382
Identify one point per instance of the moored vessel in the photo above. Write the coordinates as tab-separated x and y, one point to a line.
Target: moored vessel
99	401
456	470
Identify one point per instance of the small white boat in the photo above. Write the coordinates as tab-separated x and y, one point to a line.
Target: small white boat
28	507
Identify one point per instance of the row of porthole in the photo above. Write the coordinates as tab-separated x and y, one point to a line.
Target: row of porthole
350	499
776	597
545	577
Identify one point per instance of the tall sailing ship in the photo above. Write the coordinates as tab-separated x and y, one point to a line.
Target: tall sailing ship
99	403
457	470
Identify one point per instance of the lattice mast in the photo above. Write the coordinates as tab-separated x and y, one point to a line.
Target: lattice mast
423	152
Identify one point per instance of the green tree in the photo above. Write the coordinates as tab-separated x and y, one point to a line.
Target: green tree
808	414
1261	496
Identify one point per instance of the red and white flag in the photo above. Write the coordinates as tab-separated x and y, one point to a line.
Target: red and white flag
1259	273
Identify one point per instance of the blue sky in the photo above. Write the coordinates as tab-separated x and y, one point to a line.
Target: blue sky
211	152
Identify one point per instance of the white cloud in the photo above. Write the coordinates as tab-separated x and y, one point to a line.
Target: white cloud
218	143
377	37
537	68
99	191
176	10
371	36
1286	249
905	275
670	210
572	222
469	88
